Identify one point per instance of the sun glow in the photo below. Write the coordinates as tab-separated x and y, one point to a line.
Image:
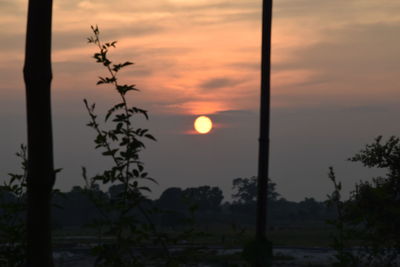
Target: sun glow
203	124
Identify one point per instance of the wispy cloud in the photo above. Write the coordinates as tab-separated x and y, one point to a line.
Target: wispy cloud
208	51
216	83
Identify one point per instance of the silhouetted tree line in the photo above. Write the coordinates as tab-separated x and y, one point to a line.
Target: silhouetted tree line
75	208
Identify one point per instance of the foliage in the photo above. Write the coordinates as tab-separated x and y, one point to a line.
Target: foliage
207	198
125	216
246	190
372	213
128	235
256	252
171	198
343	234
12	215
76	209
174	202
374	206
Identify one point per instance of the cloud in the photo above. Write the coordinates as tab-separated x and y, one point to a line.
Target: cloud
14	7
216	83
209	51
72	39
246	65
360	48
337	12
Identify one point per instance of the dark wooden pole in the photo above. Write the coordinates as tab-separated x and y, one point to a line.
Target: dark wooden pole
40	180
263	157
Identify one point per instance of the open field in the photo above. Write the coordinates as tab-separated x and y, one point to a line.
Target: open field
293	246
219	257
294	236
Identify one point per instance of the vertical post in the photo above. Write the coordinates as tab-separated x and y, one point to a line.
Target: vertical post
263	157
41	177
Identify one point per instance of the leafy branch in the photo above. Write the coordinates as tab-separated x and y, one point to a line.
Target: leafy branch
123	144
12	212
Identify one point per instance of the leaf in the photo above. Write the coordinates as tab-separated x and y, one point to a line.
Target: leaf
123	89
142	132
95	29
134	110
150	137
127	63
140	167
117	67
101	81
106	62
110	152
100	139
114	108
99	57
151	179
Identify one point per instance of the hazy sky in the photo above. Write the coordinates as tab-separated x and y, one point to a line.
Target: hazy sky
335	86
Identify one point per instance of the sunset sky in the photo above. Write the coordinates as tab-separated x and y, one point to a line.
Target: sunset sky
335	86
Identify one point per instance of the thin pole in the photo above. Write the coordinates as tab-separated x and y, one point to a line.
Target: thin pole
41	177
263	157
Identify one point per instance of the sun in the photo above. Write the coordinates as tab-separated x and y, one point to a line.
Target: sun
203	124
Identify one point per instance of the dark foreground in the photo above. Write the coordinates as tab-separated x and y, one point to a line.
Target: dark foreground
284	256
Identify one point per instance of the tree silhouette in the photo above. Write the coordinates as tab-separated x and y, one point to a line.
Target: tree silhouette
245	190
371	214
205	197
41	175
172	198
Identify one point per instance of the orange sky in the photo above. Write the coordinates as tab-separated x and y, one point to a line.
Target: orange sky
202	56
197	57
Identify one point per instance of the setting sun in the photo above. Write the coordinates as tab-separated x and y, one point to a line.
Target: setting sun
203	124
